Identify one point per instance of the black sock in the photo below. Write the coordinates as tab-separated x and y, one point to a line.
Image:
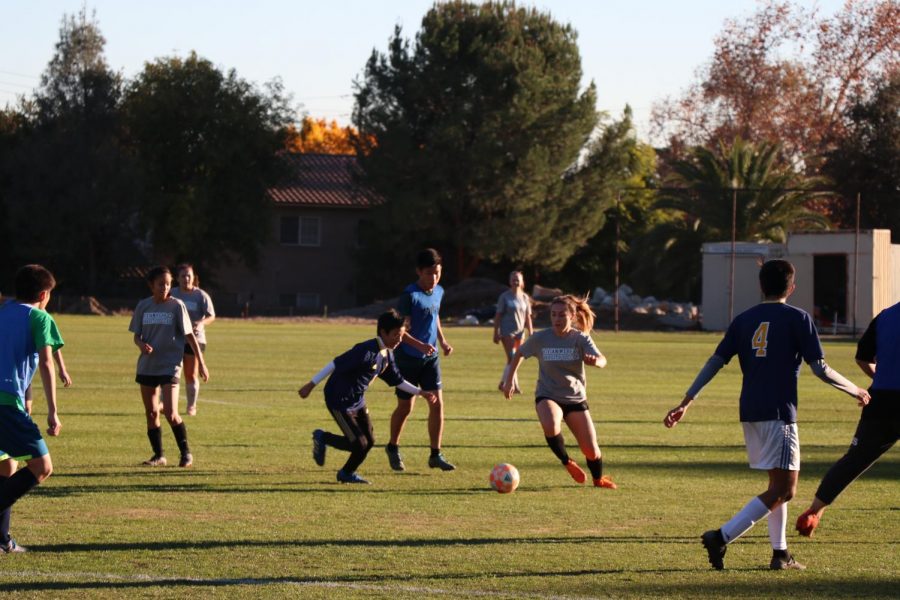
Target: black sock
4	520
781	553
435	451
15	487
558	445
596	467
393	447
155	436
338	441
180	432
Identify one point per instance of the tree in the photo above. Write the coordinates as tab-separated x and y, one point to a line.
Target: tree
771	197
786	75
317	136
485	145
867	161
208	143
69	194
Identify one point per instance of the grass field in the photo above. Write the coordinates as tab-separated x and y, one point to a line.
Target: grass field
255	517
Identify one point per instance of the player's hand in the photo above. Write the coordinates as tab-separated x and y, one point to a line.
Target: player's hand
674	416
64	377
431	397
862	396
496	337
204	372
146	348
306	389
53	425
507	388
448	349
595	360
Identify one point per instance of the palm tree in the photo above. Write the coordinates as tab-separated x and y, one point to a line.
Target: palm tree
771	198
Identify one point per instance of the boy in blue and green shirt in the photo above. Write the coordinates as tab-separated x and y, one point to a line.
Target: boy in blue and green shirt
28	339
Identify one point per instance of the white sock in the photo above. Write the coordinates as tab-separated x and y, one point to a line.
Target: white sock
744	520
777	520
193	390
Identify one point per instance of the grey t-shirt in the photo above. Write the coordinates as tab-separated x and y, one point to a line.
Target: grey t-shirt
199	306
513	310
163	326
561	364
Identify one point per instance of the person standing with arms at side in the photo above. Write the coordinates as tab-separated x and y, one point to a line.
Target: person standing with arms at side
200	309
770	340
878	355
29	339
418	360
513	318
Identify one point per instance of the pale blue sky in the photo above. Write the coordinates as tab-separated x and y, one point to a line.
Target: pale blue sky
636	51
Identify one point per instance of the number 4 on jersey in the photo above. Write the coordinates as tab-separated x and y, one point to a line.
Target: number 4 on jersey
761	339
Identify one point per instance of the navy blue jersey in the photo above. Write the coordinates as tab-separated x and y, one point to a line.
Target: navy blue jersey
423	309
355	369
770	340
880	344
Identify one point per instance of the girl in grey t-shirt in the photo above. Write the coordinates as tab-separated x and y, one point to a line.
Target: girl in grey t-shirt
562	352
200	310
161	327
513	318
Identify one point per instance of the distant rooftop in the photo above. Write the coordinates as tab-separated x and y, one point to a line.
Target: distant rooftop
323	180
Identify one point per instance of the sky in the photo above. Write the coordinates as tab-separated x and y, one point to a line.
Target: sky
637	52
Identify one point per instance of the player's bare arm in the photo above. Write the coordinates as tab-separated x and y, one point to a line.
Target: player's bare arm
143	346
48	379
426	349
447	348
595	360
867	367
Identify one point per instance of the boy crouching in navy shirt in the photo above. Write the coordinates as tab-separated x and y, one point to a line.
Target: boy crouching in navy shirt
350	376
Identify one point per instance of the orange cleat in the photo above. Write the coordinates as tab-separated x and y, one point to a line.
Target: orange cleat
575	471
605	482
807	523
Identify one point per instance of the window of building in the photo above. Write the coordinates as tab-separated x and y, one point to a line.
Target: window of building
300	231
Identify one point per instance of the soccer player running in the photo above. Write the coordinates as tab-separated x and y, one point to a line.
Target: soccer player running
878	355
770	340
418	360
561	395
200	309
349	376
513	318
29	338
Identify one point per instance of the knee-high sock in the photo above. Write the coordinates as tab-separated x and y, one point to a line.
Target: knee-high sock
338	441
155	437
180	433
777	521
193	391
558	445
13	488
741	523
4	520
596	467
358	452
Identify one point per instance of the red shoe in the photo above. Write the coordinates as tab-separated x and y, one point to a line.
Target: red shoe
575	471
807	523
605	482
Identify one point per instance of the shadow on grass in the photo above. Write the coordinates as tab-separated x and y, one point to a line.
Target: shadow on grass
645	586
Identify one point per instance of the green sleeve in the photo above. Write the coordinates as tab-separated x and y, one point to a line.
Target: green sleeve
44	330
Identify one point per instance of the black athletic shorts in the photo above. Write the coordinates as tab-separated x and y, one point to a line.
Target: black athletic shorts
566	408
189	350
155	380
423	372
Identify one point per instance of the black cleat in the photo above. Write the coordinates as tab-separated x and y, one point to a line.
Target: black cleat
438	461
395	459
318	447
715	548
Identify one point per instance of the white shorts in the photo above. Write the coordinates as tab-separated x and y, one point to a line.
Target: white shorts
772	445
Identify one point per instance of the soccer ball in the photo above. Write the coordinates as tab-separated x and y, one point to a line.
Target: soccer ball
504	478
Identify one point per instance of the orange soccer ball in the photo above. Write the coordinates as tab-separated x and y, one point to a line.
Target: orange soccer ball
504	478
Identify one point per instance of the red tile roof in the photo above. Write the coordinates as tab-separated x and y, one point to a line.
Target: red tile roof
328	180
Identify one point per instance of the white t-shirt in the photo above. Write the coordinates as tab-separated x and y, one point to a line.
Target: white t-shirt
561	364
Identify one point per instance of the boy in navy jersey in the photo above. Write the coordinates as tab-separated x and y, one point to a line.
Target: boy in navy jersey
418	360
770	340
878	355
350	376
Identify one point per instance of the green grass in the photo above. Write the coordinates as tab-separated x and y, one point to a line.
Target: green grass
255	517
